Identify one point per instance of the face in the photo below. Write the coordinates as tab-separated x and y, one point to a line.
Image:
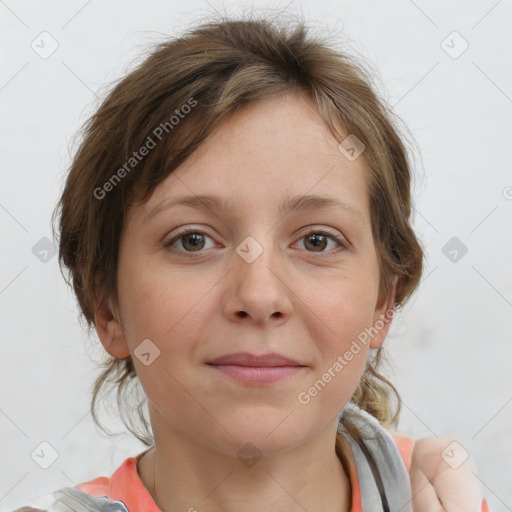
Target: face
252	278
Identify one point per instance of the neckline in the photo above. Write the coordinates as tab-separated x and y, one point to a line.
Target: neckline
343	452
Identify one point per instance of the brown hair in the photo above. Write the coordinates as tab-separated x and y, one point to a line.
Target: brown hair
216	68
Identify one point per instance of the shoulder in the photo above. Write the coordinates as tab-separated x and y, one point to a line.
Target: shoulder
39	504
29	509
405	445
73	499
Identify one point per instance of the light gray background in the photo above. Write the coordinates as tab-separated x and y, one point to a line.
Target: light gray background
451	348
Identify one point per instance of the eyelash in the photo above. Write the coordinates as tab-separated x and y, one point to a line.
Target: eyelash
187	231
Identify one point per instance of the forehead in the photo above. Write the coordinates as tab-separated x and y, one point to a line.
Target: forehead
263	155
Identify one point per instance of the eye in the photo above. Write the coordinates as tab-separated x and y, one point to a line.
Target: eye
191	240
317	240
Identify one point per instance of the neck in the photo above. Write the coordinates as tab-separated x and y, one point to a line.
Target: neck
179	476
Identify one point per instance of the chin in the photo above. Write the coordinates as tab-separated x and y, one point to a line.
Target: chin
269	433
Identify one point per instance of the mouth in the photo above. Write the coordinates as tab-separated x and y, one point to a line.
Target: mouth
247	359
256	374
252	369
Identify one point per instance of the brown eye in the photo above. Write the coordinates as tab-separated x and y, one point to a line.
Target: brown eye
318	241
191	240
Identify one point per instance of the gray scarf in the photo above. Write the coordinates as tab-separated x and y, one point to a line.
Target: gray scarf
383	478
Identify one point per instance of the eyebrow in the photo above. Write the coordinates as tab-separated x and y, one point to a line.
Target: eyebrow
295	203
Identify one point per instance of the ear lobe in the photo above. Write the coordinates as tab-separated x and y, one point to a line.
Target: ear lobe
383	316
110	332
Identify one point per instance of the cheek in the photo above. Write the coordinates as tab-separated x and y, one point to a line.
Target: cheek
342	308
169	308
348	315
338	315
162	307
159	301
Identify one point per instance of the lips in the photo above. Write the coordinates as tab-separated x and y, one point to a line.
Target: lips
252	370
247	359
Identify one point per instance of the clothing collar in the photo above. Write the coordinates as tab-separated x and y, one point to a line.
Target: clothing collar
378	478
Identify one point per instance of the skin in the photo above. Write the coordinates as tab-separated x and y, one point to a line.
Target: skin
439	487
306	303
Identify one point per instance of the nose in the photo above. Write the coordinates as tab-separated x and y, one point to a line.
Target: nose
258	290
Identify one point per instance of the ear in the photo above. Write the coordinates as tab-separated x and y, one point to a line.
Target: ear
383	316
110	332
